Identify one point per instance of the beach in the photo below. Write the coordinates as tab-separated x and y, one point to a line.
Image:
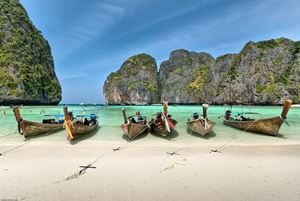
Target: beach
228	164
47	171
149	100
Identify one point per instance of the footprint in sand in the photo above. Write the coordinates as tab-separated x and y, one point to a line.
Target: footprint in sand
74	176
173	165
170	167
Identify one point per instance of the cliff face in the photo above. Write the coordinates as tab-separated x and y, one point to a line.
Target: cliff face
220	84
136	82
184	77
26	66
264	72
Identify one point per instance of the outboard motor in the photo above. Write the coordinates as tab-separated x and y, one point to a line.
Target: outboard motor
227	114
195	115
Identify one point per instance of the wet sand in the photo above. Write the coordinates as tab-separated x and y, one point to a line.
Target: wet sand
49	170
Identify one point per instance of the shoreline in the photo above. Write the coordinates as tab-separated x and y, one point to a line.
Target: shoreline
295	104
156	144
150	140
227	165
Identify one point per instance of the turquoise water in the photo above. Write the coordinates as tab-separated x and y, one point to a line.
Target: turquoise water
110	119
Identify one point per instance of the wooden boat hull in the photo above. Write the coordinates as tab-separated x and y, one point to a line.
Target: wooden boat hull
132	130
159	127
30	128
79	130
198	127
75	129
268	126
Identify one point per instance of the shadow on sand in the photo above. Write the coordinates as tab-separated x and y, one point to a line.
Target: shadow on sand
170	137
140	136
206	137
43	135
281	136
262	134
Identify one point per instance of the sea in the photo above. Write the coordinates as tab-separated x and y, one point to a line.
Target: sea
110	119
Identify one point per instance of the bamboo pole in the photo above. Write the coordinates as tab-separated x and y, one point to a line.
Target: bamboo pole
124	116
165	108
16	111
286	108
204	113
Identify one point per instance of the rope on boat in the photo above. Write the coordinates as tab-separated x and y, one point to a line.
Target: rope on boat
222	147
91	165
284	119
8	134
16	147
181	148
2	154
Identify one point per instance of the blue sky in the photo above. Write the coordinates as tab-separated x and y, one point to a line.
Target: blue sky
92	38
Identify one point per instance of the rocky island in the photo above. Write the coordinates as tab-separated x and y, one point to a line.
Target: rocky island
135	83
27	73
263	72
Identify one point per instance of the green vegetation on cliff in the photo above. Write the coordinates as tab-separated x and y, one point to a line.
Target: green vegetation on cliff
263	72
26	65
283	78
297	46
264	89
134	82
200	80
270	43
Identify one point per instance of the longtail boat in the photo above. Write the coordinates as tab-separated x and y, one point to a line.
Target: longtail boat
30	128
269	126
79	125
202	125
162	123
132	127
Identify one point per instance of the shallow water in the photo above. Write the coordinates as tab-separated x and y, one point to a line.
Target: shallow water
110	119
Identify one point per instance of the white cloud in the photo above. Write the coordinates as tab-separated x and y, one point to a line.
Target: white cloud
89	25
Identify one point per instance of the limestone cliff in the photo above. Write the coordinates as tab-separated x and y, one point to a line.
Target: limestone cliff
26	66
263	72
135	83
185	76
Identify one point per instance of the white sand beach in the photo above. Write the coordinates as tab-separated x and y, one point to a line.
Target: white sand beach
45	170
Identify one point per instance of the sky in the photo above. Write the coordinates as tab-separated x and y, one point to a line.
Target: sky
92	38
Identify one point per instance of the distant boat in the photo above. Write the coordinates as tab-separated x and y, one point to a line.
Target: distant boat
296	105
269	126
162	123
201	125
131	127
79	125
30	128
159	104
141	104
